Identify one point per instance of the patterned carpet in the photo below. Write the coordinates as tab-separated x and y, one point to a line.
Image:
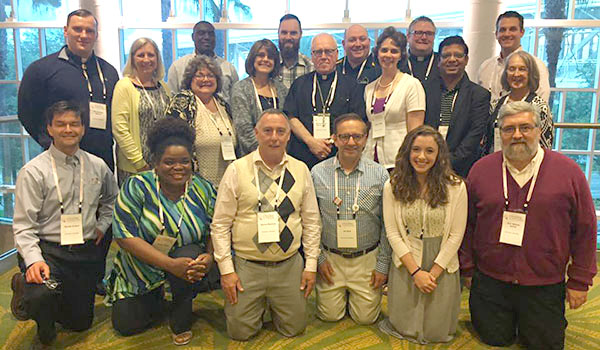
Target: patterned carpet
209	330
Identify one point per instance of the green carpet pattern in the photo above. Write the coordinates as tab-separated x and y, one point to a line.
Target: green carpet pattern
583	332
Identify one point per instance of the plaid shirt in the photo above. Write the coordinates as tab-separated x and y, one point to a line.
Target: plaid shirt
288	75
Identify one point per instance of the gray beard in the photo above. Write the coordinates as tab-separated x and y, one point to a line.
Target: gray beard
519	152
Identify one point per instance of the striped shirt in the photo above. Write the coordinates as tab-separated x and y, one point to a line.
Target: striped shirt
369	219
136	215
446	106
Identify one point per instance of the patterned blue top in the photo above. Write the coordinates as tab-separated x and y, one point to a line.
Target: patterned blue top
369	219
136	215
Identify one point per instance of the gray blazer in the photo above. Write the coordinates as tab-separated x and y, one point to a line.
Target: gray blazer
245	111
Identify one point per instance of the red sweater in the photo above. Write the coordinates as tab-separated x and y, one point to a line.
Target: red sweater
561	224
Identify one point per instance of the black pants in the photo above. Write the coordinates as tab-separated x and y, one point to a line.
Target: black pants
136	314
76	268
500	311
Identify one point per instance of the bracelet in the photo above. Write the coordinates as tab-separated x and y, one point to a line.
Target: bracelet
415	272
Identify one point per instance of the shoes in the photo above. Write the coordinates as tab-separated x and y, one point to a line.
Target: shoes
182	338
17	303
100	290
38	345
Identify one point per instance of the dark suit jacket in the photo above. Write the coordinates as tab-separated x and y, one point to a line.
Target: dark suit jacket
468	123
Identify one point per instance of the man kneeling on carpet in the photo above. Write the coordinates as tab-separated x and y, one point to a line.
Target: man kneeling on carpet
63	205
161	222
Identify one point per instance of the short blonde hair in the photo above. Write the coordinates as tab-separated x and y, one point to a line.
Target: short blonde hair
131	71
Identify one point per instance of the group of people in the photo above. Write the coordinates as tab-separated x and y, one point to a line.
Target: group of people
339	175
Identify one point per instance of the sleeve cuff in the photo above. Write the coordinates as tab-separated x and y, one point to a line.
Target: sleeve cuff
311	265
382	267
33	258
139	164
226	266
576	285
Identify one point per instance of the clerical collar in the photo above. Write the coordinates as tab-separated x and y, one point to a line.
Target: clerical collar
325	77
419	58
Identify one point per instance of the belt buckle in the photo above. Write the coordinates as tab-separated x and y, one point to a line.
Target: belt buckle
270	263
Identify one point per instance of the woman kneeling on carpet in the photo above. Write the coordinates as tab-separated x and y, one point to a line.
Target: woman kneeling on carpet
161	223
425	215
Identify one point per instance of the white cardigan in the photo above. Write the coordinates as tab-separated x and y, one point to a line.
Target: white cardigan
454	227
408	96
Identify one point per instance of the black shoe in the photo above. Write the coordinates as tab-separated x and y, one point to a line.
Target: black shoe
100	289
17	303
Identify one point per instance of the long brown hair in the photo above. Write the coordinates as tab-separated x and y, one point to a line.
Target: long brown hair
403	179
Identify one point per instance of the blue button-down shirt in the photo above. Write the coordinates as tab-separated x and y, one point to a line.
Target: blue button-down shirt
369	219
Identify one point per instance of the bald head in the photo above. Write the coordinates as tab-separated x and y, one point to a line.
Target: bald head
324	53
356	44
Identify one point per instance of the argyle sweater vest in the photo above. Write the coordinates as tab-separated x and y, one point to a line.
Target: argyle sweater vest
245	229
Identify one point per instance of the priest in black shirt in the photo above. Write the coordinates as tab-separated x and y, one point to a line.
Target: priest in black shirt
315	99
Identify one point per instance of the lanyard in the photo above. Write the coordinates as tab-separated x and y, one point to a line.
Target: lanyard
531	186
223	119
330	95
429	65
87	79
147	96
337	201
160	208
362	66
58	193
256	180
258	104
388	93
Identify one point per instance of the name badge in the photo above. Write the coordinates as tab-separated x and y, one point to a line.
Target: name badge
321	128
97	115
346	234
497	139
378	125
71	229
513	228
227	147
268	227
164	243
443	129
416	247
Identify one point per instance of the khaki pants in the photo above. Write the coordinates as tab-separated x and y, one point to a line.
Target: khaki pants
350	284
279	286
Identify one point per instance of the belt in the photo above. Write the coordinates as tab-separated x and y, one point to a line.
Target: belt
269	263
353	254
71	247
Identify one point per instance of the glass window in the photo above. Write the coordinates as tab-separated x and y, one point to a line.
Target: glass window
377	11
576	52
7	203
187	10
595	182
578	109
211	10
8	99
55	39
7	56
255	11
526	8
152	11
36	10
587	10
441	11
553	9
12	159
30	46
318	11
185	44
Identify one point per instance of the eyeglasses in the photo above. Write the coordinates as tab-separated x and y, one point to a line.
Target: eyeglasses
457	55
422	33
201	76
523	129
346	137
327	52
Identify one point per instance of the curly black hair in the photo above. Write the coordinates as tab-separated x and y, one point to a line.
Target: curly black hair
169	132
